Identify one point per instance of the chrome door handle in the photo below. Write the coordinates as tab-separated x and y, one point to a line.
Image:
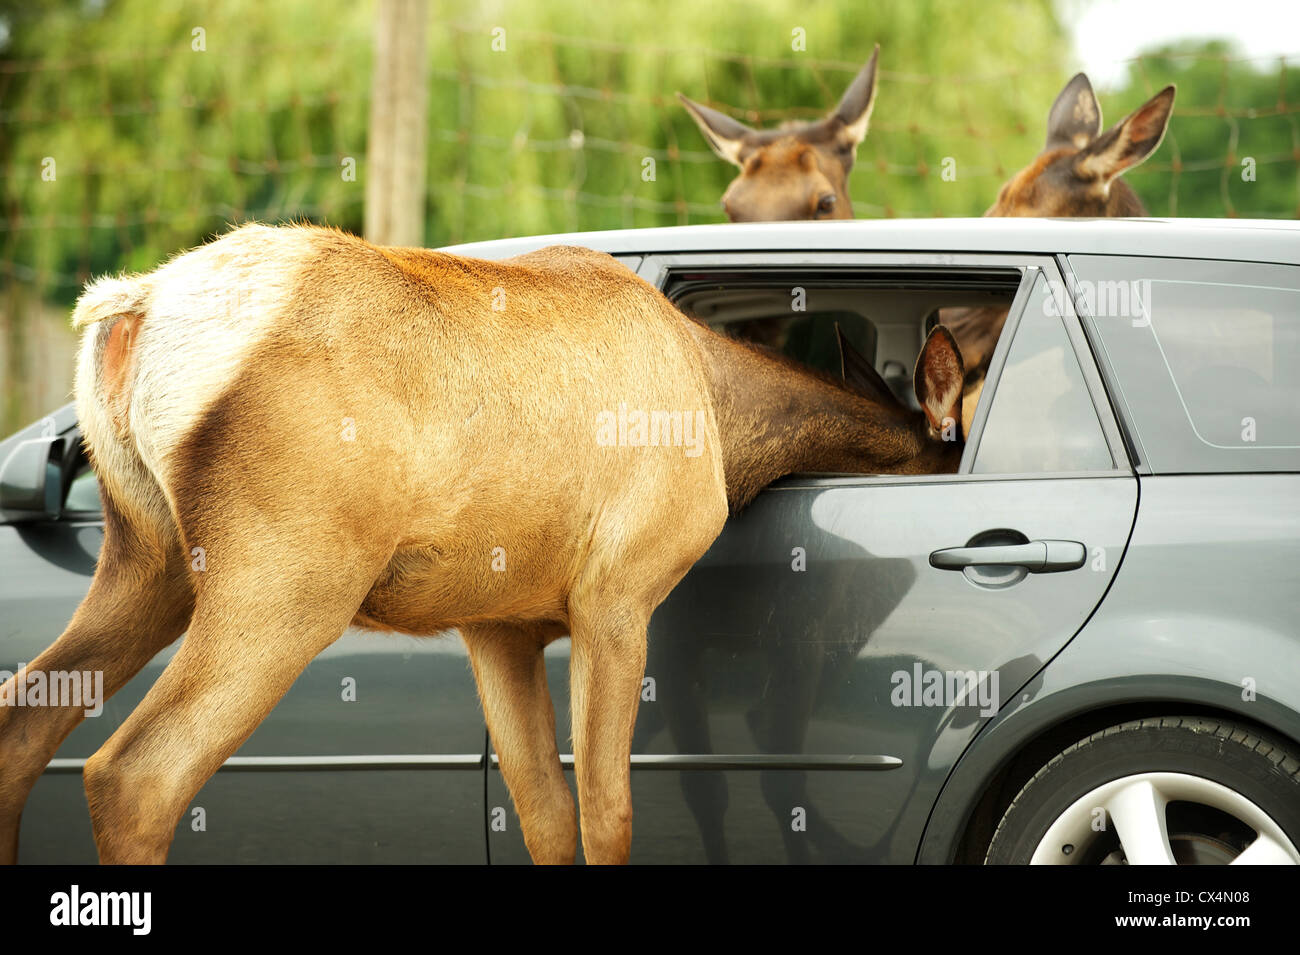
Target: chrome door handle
1037	557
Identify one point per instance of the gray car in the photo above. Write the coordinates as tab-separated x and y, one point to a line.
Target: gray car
1082	648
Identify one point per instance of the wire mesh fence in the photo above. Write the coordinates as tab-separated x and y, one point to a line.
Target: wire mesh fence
115	156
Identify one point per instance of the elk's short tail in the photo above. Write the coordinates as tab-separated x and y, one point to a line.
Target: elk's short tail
110	314
122	302
109	296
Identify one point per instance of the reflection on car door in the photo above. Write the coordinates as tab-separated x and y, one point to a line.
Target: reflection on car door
814	678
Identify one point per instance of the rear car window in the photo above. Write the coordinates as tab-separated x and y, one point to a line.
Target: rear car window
1203	355
801	311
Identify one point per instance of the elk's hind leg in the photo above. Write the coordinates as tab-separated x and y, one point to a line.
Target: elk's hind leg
140	600
510	670
261	615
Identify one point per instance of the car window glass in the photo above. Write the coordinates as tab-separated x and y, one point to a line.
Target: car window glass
1234	355
1042	417
1204	355
83	495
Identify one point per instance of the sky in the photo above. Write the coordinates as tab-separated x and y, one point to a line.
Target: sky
1107	32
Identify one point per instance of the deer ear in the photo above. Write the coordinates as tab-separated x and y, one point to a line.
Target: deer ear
1075	119
938	378
859	374
1128	142
854	110
725	135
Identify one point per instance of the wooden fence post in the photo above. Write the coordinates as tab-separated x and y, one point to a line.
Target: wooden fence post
396	154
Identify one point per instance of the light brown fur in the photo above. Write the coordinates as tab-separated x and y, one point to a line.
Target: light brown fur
440	414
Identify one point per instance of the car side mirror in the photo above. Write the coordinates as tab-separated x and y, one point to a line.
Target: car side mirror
31	478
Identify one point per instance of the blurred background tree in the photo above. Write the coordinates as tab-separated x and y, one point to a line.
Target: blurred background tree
1233	147
131	129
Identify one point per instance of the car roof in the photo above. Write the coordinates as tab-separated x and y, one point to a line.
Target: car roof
1249	240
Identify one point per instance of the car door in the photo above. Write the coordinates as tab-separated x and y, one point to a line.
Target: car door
375	755
816	675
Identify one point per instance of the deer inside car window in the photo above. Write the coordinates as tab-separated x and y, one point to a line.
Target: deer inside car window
883	314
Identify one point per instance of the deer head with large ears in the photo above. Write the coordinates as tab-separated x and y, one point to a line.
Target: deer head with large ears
798	171
936	380
1077	173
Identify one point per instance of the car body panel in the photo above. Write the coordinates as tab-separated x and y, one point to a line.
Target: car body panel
750	655
1229	643
1237	240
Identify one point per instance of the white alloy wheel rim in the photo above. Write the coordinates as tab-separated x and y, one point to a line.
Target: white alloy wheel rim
1135	807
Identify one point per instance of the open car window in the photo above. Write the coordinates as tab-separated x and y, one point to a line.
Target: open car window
884	313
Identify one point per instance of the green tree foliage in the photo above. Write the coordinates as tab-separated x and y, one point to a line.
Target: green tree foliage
161	134
1233	146
953	84
131	129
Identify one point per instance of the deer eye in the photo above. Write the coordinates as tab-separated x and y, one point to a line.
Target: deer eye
826	203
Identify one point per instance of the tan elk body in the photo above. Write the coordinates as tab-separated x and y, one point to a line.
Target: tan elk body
296	431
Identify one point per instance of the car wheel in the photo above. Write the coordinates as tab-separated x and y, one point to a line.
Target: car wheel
1169	791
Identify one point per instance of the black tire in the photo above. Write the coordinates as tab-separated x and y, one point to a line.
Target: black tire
1256	765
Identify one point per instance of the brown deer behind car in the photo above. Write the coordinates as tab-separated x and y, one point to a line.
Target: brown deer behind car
798	171
1076	175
